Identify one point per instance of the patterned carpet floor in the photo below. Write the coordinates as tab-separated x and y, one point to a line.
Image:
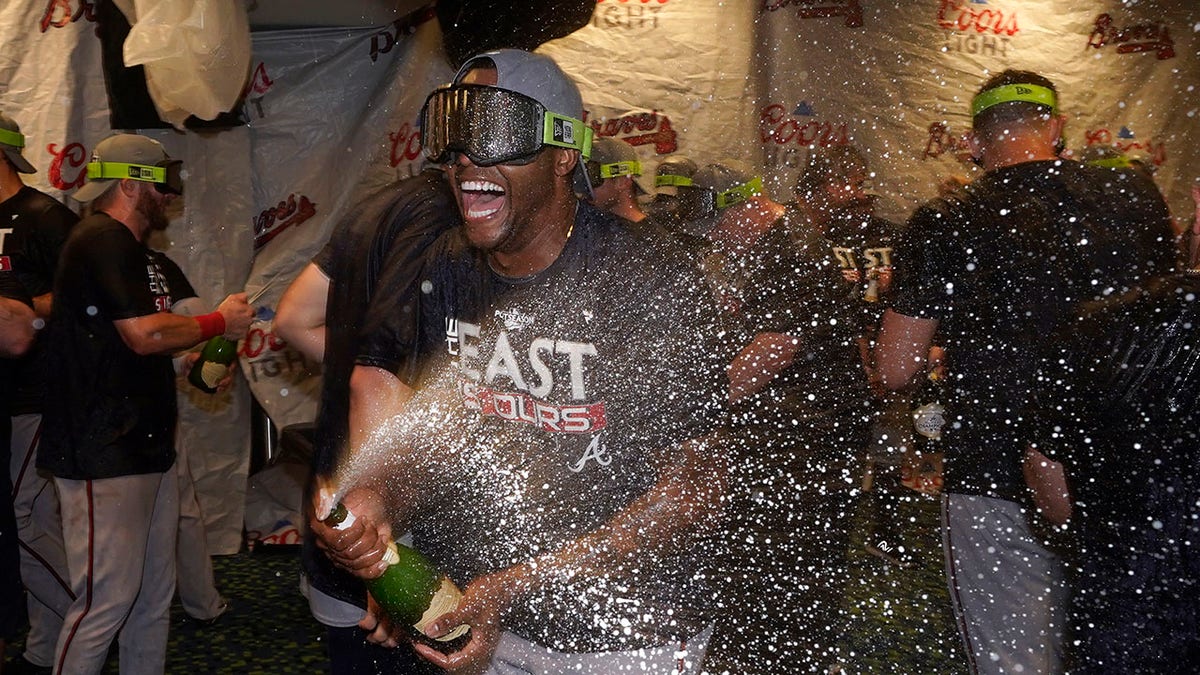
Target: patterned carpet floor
900	619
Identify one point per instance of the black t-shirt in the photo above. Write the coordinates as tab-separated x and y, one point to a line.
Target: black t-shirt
1003	269
794	285
547	406
11	288
377	249
33	229
177	281
109	411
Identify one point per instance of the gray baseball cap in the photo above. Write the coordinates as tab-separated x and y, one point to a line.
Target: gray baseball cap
11	142
125	149
609	150
671	172
533	75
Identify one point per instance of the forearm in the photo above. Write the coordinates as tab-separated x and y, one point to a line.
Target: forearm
685	500
16	327
160	333
759	363
901	348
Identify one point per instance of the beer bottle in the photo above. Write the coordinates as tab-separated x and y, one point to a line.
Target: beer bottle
214	362
411	591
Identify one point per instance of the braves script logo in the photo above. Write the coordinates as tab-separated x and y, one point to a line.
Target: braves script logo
639	129
1143	37
278	218
59	13
941	141
1125	142
387	39
75	156
959	15
820	9
627	14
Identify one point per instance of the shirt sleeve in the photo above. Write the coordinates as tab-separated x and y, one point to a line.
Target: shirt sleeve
121	270
45	244
924	288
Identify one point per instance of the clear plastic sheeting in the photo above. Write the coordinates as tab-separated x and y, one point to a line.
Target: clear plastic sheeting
196	54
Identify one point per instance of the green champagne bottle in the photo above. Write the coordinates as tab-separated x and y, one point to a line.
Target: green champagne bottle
411	591
212	366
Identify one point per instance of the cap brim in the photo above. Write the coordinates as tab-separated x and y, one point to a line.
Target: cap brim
91	190
19	162
645	185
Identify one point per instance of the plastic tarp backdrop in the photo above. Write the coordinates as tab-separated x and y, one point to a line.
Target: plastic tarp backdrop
332	119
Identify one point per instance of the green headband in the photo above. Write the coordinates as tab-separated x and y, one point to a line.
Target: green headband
616	169
150	174
1121	162
13	138
567	132
672	179
1029	93
740	193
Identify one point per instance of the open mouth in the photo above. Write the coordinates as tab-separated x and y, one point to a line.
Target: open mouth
481	198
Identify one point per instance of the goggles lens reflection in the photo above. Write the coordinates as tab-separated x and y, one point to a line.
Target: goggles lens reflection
494	126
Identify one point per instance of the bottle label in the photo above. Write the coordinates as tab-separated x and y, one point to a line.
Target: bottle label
212	373
445	599
929	419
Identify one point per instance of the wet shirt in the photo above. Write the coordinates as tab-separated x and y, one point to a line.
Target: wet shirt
33	229
563	397
794	286
1002	269
109	411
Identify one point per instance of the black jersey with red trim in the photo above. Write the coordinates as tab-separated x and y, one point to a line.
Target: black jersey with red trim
109	411
1004	268
33	228
552	402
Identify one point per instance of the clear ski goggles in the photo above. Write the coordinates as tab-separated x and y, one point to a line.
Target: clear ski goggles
166	175
598	172
700	202
495	126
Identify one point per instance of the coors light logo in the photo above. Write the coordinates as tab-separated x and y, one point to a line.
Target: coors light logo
59	13
784	137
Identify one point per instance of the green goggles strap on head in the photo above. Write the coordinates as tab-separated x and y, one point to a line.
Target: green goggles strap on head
567	132
740	193
150	174
1029	93
13	138
617	169
672	179
1112	163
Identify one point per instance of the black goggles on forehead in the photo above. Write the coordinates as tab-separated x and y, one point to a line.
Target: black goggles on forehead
494	126
166	175
697	202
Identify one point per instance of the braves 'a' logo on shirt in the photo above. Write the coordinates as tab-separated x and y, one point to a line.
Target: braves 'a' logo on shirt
595	450
513	385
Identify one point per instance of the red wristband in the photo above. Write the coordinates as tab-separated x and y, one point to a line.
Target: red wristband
211	325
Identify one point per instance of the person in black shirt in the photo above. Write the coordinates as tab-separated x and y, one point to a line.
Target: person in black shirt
804	412
16	336
109	436
33	228
996	273
580	382
377	248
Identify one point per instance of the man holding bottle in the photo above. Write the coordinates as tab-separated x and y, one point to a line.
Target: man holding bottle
110	423
559	454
